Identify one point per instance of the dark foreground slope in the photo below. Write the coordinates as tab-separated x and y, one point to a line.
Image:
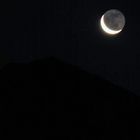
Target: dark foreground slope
57	100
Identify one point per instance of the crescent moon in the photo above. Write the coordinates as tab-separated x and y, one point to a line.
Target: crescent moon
106	29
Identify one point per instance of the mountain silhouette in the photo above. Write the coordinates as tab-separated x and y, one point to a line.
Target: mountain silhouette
55	99
40	72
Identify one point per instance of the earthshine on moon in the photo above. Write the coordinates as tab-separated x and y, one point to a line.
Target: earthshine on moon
112	22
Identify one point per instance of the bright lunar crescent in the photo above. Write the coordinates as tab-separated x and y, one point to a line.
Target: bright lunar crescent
112	22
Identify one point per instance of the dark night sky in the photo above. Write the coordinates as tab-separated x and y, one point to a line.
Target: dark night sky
69	30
